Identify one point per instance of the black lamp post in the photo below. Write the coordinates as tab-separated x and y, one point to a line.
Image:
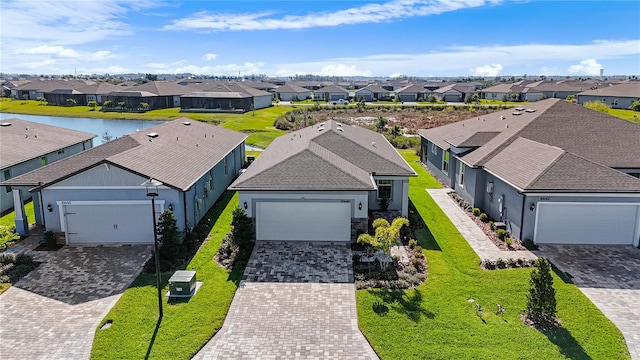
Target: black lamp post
152	191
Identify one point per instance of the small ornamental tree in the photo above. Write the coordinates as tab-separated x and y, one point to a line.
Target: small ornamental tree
167	229
386	234
635	106
541	300
93	105
241	228
381	124
71	102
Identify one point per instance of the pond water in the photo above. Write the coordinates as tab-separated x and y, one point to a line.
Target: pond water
115	127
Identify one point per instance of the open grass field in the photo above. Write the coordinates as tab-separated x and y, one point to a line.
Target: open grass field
186	325
435	320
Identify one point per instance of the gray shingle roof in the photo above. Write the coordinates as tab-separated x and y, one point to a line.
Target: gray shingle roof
523	150
162	88
19	145
339	157
290	88
178	156
631	90
332	88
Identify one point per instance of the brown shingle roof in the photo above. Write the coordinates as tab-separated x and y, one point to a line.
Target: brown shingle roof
162	88
178	156
19	145
290	88
332	88
631	90
339	157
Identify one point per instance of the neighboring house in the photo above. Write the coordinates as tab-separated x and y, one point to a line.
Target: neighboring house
412	93
225	97
27	145
561	89
617	96
454	92
330	92
510	92
554	172
288	91
95	92
39	88
320	183
371	92
157	94
96	197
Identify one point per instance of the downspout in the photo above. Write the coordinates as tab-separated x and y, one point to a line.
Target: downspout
184	205
524	202
44	222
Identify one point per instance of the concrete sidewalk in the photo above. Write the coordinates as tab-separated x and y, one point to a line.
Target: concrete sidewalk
476	238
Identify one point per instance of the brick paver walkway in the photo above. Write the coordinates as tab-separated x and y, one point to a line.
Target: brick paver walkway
610	277
53	312
476	238
297	302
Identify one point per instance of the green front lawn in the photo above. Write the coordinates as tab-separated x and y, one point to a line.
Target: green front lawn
629	115
9	218
258	124
186	325
436	321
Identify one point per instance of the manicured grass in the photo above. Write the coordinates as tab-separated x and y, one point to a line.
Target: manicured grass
258	124
435	320
500	102
630	115
186	325
9	218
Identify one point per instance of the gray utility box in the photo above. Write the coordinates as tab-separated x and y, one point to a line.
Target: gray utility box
182	283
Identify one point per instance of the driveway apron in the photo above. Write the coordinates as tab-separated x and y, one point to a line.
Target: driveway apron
609	276
297	301
53	312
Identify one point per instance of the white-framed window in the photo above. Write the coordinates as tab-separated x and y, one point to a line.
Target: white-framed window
385	189
445	162
434	148
226	168
462	169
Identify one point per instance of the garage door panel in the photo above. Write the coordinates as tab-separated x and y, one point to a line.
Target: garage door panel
109	223
581	223
306	221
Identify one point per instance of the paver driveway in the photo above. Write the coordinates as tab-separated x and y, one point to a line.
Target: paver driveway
610	277
297	301
53	312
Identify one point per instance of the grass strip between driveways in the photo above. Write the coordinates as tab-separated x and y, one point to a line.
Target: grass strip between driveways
186	326
436	321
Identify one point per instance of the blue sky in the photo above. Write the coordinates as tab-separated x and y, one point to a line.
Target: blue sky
343	38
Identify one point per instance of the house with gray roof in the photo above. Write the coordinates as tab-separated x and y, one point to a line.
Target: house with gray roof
28	145
96	197
619	96
320	183
412	92
371	92
290	91
223	96
553	172
157	94
330	92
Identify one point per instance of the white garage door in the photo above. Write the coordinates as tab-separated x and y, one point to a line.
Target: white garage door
106	223
587	223
305	221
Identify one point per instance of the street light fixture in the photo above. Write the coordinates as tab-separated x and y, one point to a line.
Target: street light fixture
152	191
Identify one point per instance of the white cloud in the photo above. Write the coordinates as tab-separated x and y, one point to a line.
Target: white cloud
102	55
586	67
487	70
60	51
104	70
181	66
342	70
35	65
395	75
458	60
368	13
209	56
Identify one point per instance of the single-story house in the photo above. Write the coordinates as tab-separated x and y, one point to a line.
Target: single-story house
411	93
157	94
28	145
453	92
288	91
500	91
225	97
617	96
321	182
330	92
371	92
554	172
96	197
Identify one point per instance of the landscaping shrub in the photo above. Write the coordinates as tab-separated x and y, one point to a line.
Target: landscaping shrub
502	234
417	263
484	218
417	252
508	241
500	264
541	300
412	244
15	267
167	230
492	225
476	211
50	239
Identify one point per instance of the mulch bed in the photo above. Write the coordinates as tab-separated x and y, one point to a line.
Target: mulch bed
397	276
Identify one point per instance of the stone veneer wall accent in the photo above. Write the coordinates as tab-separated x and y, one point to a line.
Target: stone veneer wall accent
358	224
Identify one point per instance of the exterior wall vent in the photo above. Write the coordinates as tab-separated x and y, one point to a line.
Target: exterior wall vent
5	124
152	135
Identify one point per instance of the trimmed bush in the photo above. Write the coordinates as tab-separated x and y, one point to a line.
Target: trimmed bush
508	241
541	300
412	244
501	233
476	211
484	218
